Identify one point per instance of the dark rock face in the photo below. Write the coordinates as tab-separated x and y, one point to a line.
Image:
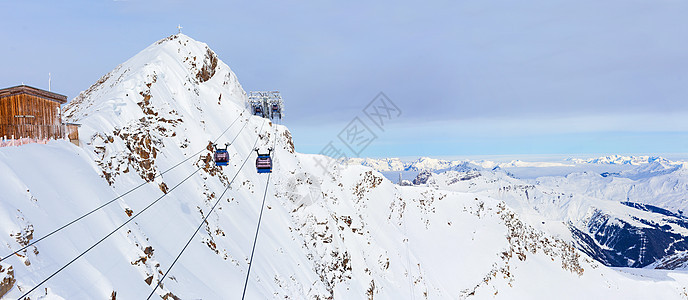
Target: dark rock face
617	243
677	261
422	178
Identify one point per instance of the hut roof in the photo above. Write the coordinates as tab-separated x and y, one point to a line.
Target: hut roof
25	89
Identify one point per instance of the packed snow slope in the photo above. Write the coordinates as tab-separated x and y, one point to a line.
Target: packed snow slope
341	233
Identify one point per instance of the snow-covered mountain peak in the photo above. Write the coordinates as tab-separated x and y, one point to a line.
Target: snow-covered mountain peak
616	159
653	167
342	232
168	77
174	94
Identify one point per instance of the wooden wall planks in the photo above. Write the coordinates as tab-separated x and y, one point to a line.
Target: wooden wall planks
24	115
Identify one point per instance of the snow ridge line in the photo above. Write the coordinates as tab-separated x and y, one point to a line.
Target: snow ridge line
207	215
126	193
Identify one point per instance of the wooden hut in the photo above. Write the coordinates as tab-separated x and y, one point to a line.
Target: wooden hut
73	132
28	112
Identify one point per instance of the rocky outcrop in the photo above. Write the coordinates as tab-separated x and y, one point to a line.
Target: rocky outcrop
6	279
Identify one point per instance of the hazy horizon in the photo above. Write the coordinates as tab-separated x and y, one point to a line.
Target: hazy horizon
468	78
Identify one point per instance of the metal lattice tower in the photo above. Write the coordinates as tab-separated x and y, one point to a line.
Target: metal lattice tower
265	100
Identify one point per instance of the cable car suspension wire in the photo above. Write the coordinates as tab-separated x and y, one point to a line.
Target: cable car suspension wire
260	217
108	235
120	196
116	229
206	216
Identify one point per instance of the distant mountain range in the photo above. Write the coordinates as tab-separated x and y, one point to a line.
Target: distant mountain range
628	216
321	230
433	164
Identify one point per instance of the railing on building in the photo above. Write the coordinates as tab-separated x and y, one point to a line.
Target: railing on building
22	134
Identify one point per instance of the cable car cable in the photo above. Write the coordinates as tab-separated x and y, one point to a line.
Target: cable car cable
108	235
120	196
260	217
115	230
255	238
206	216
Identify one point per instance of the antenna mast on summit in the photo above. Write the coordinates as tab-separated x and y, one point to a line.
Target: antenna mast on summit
179	27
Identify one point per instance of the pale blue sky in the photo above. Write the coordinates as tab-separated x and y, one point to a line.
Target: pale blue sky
471	77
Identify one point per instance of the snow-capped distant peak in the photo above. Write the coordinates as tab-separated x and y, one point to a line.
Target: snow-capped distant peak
347	234
621	160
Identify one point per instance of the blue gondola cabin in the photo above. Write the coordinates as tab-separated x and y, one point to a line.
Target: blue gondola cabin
221	156
264	162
